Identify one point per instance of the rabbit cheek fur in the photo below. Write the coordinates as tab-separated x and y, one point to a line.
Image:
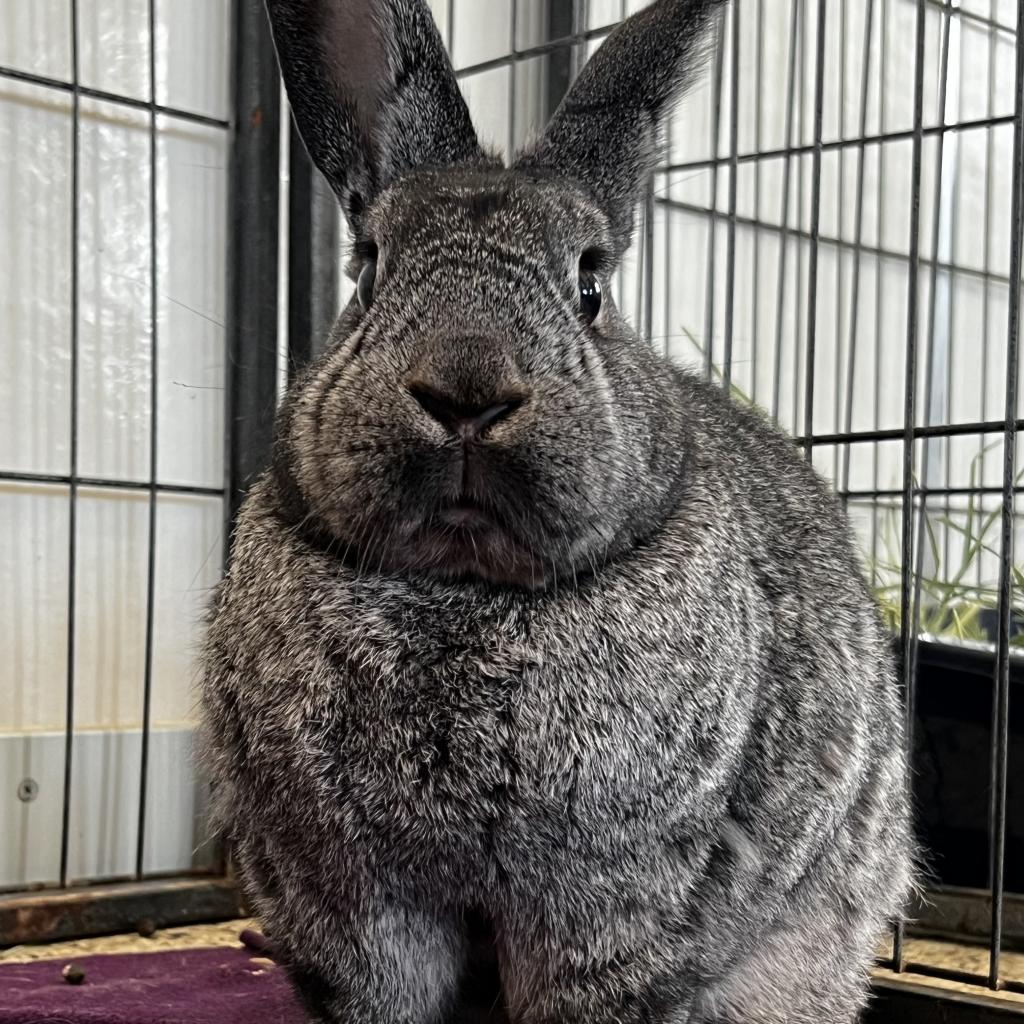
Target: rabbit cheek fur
629	752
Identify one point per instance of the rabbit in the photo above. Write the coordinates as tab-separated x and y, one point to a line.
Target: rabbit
543	685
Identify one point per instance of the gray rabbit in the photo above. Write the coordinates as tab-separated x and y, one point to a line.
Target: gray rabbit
543	685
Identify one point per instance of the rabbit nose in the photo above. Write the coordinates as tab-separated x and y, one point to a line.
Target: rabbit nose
468	421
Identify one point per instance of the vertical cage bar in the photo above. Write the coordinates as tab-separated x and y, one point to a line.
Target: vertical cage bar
513	66
312	256
69	706
647	276
787	180
908	628
880	226
858	240
147	682
1001	715
716	125
561	20
666	297
986	317
840	250
812	269
755	341
730	252
929	443
798	289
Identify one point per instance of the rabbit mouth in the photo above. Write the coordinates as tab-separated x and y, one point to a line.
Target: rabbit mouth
464	540
465	516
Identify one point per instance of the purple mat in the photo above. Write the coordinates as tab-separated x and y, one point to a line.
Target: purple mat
196	986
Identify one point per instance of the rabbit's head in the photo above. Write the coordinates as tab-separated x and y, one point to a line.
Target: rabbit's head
482	410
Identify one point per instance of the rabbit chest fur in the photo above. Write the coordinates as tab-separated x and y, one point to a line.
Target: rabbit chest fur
694	755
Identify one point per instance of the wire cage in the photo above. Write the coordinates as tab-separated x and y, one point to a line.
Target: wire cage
111	474
834	235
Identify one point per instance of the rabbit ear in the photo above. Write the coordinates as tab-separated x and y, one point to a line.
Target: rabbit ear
604	135
372	90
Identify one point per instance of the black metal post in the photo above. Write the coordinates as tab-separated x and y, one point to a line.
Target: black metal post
312	256
253	245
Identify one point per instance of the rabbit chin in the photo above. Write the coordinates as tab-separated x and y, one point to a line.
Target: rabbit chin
469	552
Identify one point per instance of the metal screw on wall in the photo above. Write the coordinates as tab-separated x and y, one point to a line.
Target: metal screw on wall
28	790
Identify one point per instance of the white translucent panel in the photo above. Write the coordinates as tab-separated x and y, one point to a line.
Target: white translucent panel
110	608
830	364
691	128
895	200
178	819
191	280
104	805
114	290
35	36
483	31
193	46
858	466
601	13
189	556
487	94
1001	191
35	279
114	40
440	10
531	85
825	459
532	19
31	808
681	292
33	605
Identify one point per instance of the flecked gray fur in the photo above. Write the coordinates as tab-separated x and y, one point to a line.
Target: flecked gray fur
632	754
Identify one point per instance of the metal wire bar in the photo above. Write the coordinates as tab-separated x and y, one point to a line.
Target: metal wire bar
923	492
858	238
647	277
110	97
929	373
734	143
755	341
839	243
69	706
986	326
812	269
798	323
107	483
666	299
876	383
154	421
716	123
840	277
908	629
512	76
1001	700
787	177
991	22
831	145
540	50
899	433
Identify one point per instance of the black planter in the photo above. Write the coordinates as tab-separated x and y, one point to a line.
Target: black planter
952	766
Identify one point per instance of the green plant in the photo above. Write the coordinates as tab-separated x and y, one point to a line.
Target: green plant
954	595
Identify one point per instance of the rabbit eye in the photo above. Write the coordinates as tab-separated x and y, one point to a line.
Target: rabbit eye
590	295
365	284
